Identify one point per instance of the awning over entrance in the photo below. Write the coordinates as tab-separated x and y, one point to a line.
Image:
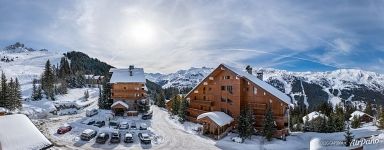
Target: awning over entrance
219	118
120	104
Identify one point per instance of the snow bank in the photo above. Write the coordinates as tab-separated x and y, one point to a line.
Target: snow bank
219	118
18	133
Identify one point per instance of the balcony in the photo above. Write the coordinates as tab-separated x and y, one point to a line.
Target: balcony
195	112
202	102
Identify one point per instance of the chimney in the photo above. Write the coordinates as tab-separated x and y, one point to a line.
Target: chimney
249	69
260	75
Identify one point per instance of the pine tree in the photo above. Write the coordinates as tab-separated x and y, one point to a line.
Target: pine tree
47	81
39	93
355	122
160	99
175	105
368	109
11	95
269	126
18	97
307	124
3	90
348	136
246	123
86	94
381	120
183	109
34	90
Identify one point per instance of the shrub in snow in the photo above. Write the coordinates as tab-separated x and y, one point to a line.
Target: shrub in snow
237	139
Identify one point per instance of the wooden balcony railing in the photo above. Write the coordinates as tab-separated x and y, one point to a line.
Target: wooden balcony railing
202	102
195	112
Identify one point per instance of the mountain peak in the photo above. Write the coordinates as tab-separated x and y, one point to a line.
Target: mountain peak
19	47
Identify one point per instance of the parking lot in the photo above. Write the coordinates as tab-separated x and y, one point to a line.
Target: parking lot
79	122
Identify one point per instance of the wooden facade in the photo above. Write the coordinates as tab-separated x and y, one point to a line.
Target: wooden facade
128	88
226	91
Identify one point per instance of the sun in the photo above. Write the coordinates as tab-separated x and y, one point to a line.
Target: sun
142	32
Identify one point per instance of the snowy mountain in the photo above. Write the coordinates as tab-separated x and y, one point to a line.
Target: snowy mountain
25	63
181	78
305	88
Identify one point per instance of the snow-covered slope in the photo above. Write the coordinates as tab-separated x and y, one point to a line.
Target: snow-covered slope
25	63
306	88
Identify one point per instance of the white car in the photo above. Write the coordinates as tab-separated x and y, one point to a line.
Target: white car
124	125
92	112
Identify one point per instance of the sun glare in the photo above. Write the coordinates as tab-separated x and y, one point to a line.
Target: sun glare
143	33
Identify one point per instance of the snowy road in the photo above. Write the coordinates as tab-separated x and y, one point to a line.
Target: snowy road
175	138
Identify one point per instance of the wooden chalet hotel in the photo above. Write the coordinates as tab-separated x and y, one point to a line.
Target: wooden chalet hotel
128	90
217	100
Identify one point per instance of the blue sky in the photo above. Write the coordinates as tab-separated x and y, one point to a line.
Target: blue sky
165	36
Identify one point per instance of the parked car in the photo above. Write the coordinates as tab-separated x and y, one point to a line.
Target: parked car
88	134
102	138
99	124
115	137
114	124
144	138
147	116
64	129
133	126
124	125
89	121
143	126
92	112
128	138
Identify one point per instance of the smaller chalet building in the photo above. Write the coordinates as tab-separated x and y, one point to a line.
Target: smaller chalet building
362	116
313	116
128	90
217	100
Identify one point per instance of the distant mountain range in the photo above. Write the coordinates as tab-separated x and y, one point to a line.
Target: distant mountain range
305	88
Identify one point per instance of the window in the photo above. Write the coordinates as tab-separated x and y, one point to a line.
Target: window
204	98
195	98
227	77
223	88
229	89
229	101
209	89
125	88
222	110
223	99
254	90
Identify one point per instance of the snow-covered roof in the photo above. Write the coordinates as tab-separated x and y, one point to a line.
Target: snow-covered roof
313	115
121	103
17	132
220	118
124	76
358	114
2	109
274	91
88	76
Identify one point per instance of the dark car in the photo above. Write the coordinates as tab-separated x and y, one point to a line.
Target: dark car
88	134
115	137
133	126
114	124
128	138
91	122
64	129
99	124
102	138
144	138
146	116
